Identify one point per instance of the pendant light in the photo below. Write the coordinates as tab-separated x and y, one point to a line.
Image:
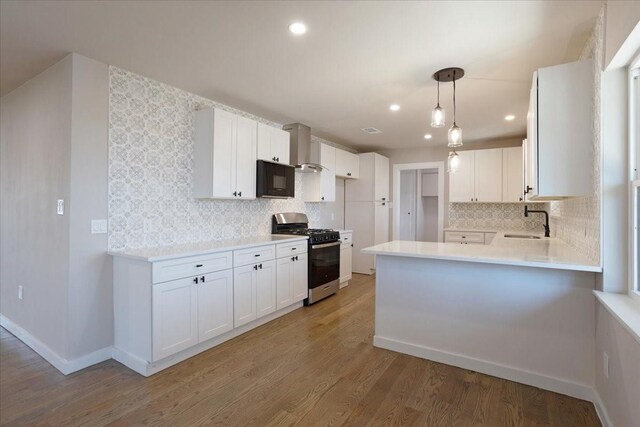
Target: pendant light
455	132
437	115
453	161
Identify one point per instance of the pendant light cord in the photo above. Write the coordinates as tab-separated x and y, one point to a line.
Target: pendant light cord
454	97
438	91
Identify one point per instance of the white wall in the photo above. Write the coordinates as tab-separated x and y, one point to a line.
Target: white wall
621	18
54	146
621	391
35	143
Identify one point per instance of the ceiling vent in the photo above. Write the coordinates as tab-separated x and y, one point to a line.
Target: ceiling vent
371	131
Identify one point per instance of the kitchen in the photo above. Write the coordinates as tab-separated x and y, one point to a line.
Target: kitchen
361	241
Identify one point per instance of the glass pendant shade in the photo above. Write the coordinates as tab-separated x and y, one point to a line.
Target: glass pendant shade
455	136
437	117
453	161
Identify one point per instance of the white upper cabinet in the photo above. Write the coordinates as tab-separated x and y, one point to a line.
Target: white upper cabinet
321	186
347	164
488	175
462	182
225	155
324	155
273	144
512	174
560	132
373	182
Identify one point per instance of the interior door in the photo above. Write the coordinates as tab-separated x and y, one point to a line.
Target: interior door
265	288
244	294
175	317
488	175
224	154
246	157
407	205
215	304
461	182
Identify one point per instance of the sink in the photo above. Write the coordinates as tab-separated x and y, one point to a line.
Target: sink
522	236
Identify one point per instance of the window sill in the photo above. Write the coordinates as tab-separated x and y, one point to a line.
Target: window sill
624	309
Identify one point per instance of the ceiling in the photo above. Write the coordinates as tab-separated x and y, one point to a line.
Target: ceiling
356	59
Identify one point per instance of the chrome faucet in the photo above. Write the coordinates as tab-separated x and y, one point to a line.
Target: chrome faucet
547	230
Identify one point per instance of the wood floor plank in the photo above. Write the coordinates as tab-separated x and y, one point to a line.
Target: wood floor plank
314	366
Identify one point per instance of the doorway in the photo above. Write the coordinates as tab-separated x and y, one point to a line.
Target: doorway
419	207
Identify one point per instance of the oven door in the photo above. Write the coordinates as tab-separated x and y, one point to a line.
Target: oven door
324	263
275	180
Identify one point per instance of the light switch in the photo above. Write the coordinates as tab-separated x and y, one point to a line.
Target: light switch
98	226
60	207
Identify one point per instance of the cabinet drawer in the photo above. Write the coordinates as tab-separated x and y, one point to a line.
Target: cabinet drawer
346	238
286	249
464	237
163	271
252	255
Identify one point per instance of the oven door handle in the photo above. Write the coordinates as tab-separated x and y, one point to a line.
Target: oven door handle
325	245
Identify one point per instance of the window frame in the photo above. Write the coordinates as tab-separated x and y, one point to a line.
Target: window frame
634	177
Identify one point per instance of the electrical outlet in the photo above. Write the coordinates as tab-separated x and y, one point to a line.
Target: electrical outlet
60	207
20	292
605	365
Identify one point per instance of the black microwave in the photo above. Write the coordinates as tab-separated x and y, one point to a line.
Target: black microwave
275	180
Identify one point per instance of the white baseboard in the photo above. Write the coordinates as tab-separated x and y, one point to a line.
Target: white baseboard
60	363
601	410
569	388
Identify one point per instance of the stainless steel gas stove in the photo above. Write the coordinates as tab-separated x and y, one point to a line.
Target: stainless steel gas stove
323	253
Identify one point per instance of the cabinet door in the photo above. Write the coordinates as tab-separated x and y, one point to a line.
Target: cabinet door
284	280
531	153
381	178
328	157
512	174
246	156
342	163
175	317
488	175
381	223
461	182
280	145
346	253
300	279
266	288
327	186
224	154
264	142
215	304
354	166
244	295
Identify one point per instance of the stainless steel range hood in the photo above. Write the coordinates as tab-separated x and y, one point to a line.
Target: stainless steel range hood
300	147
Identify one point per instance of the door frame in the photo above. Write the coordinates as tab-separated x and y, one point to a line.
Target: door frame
397	168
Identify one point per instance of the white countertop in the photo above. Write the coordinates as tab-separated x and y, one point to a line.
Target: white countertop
202	248
479	230
544	253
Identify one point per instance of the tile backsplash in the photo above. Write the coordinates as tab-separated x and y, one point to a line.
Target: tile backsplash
498	216
151	167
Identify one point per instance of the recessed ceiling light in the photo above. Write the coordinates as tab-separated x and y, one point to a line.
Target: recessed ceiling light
509	117
394	107
428	136
298	28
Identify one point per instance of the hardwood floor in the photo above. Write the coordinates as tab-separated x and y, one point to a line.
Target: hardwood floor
315	366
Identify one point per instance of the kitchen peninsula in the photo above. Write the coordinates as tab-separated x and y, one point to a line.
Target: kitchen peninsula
519	309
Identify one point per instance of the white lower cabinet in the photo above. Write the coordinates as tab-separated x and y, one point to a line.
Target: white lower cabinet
175	316
346	258
292	280
215	304
244	295
266	288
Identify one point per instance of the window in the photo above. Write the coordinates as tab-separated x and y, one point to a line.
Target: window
634	177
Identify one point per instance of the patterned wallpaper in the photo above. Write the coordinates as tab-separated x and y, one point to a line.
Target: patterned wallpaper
499	216
577	221
151	166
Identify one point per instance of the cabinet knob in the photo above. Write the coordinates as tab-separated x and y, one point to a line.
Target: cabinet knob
293	258
239	193
235	193
352	245
260	265
202	279
274	159
277	159
296	257
520	198
256	255
348	173
198	265
322	197
384	198
384	204
195	280
293	249
255	267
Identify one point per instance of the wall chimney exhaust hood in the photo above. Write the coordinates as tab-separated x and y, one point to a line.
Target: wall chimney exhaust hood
300	147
